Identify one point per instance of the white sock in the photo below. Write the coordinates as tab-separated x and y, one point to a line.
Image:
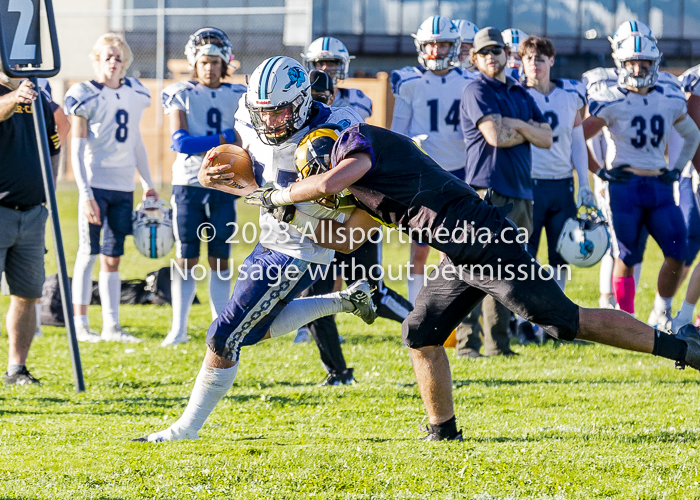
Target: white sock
81	288
304	310
606	270
219	291
81	319
110	294
37	310
685	315
211	385
182	292
637	274
662	304
415	283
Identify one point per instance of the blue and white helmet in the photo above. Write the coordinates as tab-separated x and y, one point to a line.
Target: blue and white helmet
437	29
637	48
208	42
467	30
152	227
328	48
627	29
280	85
513	37
584	239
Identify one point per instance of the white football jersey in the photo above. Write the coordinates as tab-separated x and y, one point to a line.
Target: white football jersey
433	103
638	125
560	107
113	117
279	168
356	99
209	111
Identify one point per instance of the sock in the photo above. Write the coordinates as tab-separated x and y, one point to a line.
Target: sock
37	310
219	291
637	274
302	311
82	278
415	283
669	346
110	295
80	320
685	315
447	429
624	292
606	270
211	385
12	369
662	304
182	294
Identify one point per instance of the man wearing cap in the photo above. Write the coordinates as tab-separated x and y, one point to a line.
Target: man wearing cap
499	122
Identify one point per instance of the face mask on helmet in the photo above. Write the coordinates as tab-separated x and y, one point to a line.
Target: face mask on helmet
584	240
209	42
437	29
313	156
637	48
328	50
278	99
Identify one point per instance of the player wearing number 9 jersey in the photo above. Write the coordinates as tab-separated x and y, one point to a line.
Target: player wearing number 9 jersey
105	150
639	114
201	113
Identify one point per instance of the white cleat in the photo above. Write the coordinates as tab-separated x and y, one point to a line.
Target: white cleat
175	338
115	333
660	321
303	335
360	294
169	434
85	334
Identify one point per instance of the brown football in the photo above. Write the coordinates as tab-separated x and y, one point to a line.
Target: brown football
239	163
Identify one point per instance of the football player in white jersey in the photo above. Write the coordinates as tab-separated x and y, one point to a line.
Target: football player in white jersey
467	30
274	115
562	102
639	114
513	37
330	55
106	149
201	115
427	108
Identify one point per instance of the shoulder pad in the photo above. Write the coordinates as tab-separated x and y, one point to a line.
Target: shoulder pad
575	87
672	90
239	88
668	80
690	79
173	90
400	76
597	75
604	97
80	93
138	87
344	117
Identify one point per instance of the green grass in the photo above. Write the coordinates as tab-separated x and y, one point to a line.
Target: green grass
573	421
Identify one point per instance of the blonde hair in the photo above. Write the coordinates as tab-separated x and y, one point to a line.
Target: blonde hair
112	40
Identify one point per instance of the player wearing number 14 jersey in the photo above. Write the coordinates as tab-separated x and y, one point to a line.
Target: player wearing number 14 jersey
106	148
201	117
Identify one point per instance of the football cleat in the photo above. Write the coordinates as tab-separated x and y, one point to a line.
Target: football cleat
115	333
86	334
168	434
303	335
434	436
689	334
344	378
174	338
360	294
660	320
22	377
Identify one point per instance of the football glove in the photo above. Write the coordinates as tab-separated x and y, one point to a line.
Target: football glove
586	198
283	214
616	175
268	197
668	177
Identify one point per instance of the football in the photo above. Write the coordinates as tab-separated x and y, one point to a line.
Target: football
239	162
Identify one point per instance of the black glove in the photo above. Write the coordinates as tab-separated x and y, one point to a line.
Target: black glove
668	177
616	175
261	197
283	214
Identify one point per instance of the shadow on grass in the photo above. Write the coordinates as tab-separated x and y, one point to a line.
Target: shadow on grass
591	382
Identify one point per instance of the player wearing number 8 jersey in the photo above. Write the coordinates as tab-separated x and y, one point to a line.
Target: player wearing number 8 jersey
201	117
105	150
639	114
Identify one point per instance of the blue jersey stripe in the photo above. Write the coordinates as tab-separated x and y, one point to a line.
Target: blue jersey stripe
436	25
266	76
326	41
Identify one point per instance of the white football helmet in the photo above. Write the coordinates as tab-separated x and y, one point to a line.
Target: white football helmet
437	29
513	37
208	42
636	48
328	48
584	240
279	88
467	30
627	29
152	226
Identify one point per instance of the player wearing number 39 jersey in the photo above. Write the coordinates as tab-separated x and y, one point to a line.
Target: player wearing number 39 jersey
201	113
105	150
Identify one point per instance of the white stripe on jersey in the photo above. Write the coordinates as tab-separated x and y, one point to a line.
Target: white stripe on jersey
209	111
560	107
113	117
434	103
354	98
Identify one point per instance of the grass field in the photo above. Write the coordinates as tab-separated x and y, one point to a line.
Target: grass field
565	422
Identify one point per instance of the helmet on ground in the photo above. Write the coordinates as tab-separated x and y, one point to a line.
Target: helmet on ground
437	29
152	226
585	239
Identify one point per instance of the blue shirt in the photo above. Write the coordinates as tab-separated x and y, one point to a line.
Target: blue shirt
507	170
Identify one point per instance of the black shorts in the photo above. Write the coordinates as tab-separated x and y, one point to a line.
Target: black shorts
452	291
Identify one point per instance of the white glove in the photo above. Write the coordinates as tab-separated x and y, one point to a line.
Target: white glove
585	197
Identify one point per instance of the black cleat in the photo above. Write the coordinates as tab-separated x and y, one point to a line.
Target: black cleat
689	334
344	378
22	377
432	435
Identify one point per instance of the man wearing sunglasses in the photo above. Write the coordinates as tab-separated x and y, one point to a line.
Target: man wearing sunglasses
499	122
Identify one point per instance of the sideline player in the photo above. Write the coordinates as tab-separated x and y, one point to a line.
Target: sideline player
274	115
201	115
106	148
396	183
562	103
467	30
427	108
513	37
639	114
330	55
